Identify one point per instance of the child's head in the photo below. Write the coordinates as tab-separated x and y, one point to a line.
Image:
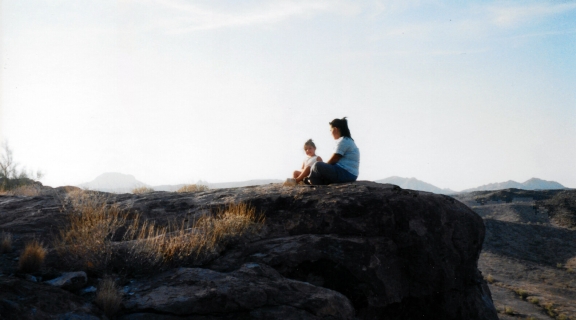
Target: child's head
310	148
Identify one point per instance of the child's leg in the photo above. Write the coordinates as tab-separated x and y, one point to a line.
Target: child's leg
296	174
303	174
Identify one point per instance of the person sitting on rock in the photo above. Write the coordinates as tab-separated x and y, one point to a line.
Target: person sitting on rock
311	158
343	165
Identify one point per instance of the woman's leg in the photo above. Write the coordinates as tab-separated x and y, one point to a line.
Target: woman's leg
323	173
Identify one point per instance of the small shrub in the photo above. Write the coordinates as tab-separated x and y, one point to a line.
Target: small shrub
509	311
32	257
562	317
533	300
522	293
193	188
550	309
108	298
570	270
142	190
490	278
559	265
5	242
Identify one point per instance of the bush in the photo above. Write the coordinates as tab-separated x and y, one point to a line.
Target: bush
533	300
550	309
108	298
522	293
10	176
5	242
142	190
32	257
193	188
490	278
509	311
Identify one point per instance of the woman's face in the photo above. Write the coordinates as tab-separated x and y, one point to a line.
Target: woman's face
335	132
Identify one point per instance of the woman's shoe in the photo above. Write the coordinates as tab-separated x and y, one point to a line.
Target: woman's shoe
307	181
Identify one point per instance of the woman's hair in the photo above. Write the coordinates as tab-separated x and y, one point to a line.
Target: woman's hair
309	143
342	125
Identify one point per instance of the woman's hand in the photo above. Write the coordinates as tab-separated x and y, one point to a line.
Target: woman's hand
334	158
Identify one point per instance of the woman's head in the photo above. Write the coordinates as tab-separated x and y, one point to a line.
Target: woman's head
339	128
310	147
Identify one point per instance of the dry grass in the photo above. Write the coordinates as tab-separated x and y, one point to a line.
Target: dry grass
32	257
549	307
509	311
93	223
522	293
174	244
5	242
534	300
87	241
193	188
27	191
108	298
490	279
142	190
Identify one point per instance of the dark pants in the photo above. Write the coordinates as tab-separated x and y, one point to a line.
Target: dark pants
324	173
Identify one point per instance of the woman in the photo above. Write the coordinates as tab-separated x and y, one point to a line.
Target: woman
343	164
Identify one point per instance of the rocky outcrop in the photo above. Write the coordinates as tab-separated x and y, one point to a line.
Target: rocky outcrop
357	250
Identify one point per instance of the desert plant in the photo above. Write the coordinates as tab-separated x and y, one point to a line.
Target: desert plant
108	297
10	176
92	222
549	307
522	293
193	188
562	317
490	279
142	190
178	243
533	300
5	242
32	257
559	265
509	310
570	270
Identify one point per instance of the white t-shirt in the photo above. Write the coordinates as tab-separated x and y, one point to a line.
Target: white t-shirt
350	153
309	161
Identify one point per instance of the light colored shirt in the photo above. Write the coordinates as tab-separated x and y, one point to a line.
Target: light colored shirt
309	161
350	153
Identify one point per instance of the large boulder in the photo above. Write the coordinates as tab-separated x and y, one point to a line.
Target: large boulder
355	250
394	253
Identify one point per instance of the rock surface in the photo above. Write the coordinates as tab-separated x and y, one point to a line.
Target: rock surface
357	250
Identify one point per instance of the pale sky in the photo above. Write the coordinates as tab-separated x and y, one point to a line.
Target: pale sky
454	93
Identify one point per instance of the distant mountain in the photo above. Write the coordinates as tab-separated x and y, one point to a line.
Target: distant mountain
531	184
414	184
113	182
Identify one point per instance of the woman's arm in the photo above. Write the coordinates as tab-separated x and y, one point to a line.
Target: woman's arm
319	159
334	158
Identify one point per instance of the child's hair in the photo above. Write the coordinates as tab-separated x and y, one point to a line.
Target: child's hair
309	143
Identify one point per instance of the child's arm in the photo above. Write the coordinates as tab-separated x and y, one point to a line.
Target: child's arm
304	174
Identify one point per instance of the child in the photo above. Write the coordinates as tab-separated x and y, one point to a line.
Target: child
299	175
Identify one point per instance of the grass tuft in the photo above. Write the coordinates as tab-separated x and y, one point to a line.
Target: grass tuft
142	190
509	311
108	298
92	222
533	300
550	309
5	242
193	188
522	293
490	279
32	257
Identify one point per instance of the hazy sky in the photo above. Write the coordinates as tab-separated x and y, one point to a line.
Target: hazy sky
455	93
